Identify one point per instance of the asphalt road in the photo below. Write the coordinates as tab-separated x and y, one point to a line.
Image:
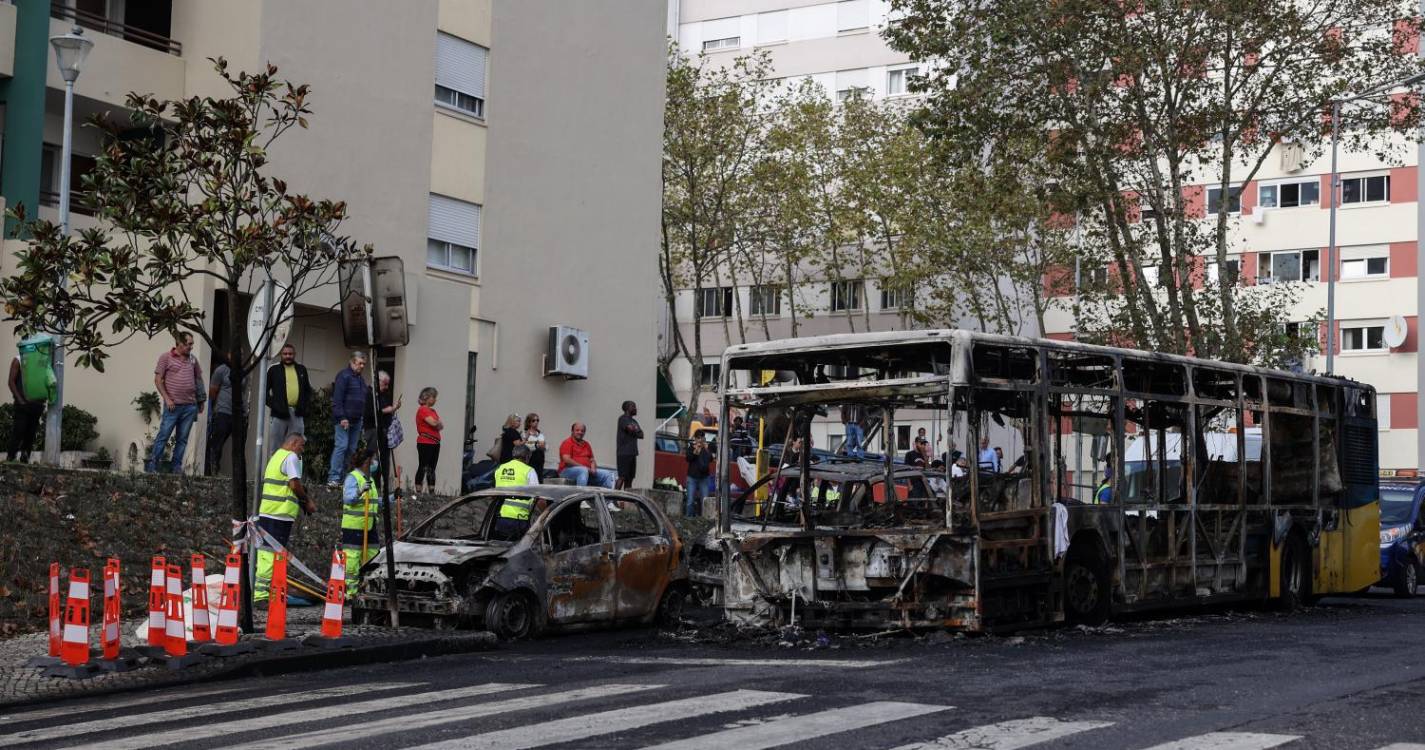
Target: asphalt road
1347	674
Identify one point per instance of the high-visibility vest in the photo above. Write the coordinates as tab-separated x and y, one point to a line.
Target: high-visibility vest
37	379
359	514
514	473
278	499
1104	493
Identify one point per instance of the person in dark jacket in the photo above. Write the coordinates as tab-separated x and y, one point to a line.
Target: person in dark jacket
348	407
289	397
700	484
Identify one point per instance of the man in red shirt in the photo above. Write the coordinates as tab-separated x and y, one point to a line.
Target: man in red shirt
576	460
179	381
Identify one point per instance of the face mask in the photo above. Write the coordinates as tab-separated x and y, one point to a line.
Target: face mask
375	465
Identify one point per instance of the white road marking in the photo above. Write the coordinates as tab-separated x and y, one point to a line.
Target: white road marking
69	708
607	722
676	661
805	727
1008	735
366	730
278	717
1228	741
65	731
1403	746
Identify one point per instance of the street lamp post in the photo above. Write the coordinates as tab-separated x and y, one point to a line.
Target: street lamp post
69	53
1332	262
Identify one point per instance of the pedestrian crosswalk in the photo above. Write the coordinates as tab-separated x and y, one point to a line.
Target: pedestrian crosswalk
653	715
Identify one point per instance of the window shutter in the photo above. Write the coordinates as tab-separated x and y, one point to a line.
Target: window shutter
852	14
460	65
772	27
722	28
853	79
454	221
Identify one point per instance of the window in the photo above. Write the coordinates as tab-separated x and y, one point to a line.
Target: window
1290	265
847	295
765	300
851	83
853	15
635	521
79	166
715	302
1234	271
1289	194
708	376
730	42
1365	189
1214	200
1150	275
856	92
723	33
772	27
896	296
1363	338
898	80
460	74
1365	268
1095	276
453	237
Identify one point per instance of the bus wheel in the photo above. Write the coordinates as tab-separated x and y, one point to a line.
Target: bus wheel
1295	583
1406	579
1086	588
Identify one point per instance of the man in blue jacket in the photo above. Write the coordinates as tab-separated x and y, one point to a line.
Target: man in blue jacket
348	407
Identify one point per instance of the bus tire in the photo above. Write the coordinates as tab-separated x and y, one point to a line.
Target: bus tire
1294	586
1087	595
1406	579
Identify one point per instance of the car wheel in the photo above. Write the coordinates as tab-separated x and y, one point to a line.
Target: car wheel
1295	583
670	610
1086	588
1406	579
511	616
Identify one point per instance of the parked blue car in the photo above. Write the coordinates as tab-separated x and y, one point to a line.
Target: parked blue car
1402	535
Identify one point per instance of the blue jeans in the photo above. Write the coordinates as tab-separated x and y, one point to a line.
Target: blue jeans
180	419
855	436
580	475
698	488
344	443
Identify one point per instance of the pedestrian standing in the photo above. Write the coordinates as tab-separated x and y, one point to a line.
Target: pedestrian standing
179	380
378	422
31	379
987	459
220	415
626	443
359	505
509	438
428	427
534	441
700	460
283	496
348	397
288	398
855	435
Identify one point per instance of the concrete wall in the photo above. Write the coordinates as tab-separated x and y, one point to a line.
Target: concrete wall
573	189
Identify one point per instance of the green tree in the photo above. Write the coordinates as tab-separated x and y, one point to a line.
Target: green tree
186	203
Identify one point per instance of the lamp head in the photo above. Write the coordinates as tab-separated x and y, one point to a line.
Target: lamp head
69	52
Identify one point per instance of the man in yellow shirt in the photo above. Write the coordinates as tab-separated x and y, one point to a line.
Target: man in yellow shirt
289	396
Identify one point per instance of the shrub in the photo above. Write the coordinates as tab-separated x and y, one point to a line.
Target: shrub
76	434
318	429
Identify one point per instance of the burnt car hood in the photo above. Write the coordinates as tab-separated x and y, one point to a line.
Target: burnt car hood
435	553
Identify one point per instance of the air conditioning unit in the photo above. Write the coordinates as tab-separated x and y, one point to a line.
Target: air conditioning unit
568	353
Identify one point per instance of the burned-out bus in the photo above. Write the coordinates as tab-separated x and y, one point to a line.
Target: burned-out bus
1134	480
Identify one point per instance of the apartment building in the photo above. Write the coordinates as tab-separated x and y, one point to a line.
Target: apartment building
511	164
1282	234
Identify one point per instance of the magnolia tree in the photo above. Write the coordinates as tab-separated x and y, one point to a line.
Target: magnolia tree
1125	110
184	201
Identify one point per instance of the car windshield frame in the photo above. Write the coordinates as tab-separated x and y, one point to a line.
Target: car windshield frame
1394	501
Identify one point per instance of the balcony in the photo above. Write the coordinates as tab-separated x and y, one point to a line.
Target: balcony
146	37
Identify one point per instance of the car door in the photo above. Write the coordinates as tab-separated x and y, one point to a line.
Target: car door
577	544
643	550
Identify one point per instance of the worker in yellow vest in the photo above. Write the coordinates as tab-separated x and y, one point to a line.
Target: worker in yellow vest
359	505
515	509
282	490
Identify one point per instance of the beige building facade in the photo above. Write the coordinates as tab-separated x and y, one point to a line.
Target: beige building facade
509	163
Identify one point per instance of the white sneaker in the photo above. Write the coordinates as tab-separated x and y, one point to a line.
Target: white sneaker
613	506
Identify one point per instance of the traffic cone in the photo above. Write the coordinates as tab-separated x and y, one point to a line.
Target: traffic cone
227	643
276	634
336	600
56	627
157	608
201	632
115	658
176	641
74	649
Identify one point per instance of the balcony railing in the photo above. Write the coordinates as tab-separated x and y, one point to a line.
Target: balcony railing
114	28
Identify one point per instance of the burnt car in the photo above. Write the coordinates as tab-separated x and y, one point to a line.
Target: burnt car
585	558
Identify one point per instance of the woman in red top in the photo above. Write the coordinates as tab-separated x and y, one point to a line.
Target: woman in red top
428	427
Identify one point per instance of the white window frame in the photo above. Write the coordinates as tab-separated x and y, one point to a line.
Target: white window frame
1363	326
453	224
450	249
1209	211
895	297
853	288
1275	186
1151	276
1300	263
725	43
709	375
461	67
905	74
1214	271
1364	179
723	296
1364	263
758	296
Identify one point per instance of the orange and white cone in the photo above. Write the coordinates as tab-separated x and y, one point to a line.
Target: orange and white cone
336	597
228	608
56	623
75	648
176	642
110	634
157	603
201	630
277	599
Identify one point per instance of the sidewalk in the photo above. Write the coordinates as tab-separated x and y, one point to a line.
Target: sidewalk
21	685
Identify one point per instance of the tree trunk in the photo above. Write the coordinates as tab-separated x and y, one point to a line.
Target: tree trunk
238	440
